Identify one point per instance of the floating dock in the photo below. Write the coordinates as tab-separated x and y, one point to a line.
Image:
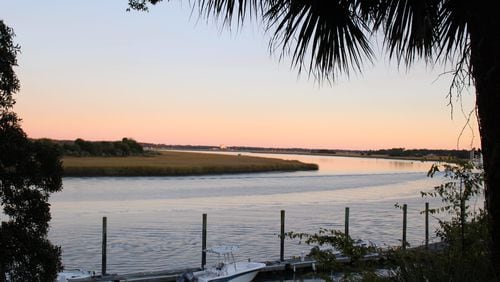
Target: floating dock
272	268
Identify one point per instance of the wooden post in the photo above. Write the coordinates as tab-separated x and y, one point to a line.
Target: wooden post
282	236
346	221
204	242
427	225
104	239
404	225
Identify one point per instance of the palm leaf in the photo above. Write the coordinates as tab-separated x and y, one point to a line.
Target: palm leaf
330	34
328	37
410	28
226	9
453	33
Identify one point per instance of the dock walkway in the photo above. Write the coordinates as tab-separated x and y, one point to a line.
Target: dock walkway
275	267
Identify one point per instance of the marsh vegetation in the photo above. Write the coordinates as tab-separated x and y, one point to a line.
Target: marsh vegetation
172	163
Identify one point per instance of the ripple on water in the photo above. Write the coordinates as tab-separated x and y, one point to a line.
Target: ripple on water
155	223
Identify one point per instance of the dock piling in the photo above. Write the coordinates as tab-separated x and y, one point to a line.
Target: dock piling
282	236
427	225
346	222
405	208
204	242
104	239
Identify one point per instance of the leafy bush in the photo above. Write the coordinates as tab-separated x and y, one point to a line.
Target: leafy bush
463	254
338	246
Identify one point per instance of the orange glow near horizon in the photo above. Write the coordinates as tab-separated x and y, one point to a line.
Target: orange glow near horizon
186	83
356	134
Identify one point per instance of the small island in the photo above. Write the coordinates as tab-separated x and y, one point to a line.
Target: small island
127	157
172	163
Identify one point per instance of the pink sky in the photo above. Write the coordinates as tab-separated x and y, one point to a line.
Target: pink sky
163	77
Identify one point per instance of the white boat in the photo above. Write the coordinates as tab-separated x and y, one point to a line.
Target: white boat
68	275
227	269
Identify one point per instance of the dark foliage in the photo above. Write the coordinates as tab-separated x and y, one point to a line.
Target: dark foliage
333	37
336	242
402	152
9	84
448	263
29	173
464	254
26	256
83	148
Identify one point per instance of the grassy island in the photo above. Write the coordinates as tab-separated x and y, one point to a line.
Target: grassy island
172	163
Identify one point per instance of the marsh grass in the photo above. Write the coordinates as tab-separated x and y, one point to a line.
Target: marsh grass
172	163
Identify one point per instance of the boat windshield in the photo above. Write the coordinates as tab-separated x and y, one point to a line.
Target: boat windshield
222	250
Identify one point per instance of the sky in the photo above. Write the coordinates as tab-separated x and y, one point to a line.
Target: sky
91	70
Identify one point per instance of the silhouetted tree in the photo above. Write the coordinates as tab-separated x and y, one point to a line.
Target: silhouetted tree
82	148
29	173
328	37
135	148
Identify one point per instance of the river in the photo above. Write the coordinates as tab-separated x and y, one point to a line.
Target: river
154	223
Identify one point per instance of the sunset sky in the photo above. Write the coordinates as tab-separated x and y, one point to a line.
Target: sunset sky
90	69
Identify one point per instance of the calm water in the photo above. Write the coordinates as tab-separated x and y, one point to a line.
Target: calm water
154	223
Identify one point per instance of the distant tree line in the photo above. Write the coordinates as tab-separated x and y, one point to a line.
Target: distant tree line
181	147
83	148
393	152
402	152
324	151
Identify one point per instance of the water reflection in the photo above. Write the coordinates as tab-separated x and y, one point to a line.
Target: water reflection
342	165
155	223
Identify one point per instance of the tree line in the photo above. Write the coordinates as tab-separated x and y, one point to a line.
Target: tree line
402	152
83	148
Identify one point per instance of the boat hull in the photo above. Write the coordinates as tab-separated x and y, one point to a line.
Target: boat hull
240	275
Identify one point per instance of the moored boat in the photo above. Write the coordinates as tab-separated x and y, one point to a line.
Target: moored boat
68	275
226	270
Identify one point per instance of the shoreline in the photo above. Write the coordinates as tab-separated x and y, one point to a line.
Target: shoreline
341	154
352	155
175	163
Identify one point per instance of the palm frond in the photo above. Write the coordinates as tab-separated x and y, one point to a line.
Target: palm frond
410	28
227	9
224	9
331	33
453	32
329	37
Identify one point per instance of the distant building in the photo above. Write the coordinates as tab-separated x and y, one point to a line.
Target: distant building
476	157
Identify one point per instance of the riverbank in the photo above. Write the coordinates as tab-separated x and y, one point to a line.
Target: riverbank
170	163
360	155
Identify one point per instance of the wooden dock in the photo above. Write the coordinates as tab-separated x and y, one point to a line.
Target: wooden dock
272	268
